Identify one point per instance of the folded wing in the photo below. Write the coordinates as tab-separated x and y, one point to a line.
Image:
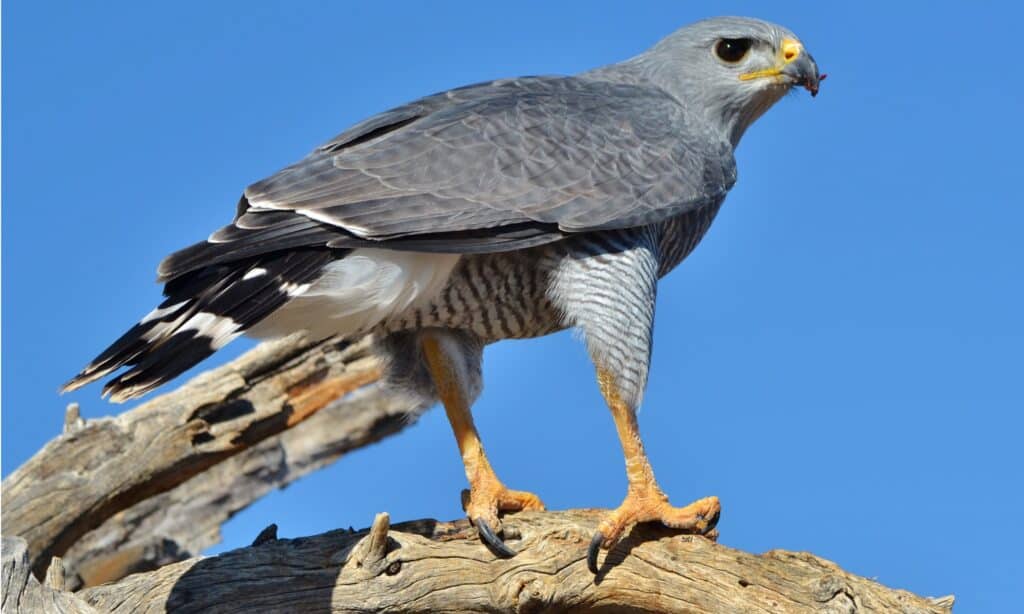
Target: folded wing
492	167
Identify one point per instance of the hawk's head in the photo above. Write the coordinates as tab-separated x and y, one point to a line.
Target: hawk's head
734	68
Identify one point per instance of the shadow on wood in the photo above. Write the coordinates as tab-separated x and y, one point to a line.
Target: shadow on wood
429	566
231	435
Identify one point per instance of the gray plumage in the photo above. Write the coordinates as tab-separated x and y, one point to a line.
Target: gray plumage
524	206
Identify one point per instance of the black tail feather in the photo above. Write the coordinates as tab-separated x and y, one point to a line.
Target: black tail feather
205	309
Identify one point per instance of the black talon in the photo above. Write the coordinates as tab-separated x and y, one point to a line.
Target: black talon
595	547
491	540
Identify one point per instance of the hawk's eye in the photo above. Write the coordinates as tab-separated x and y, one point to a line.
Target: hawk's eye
732	50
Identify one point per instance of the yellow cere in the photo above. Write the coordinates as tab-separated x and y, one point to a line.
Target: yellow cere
790	50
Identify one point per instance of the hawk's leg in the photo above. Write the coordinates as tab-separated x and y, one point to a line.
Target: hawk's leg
645	500
487	495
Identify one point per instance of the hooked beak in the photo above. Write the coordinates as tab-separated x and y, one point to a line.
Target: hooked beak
794	66
804	71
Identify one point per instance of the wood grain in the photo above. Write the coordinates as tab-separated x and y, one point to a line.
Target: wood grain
144	491
98	469
430	566
185	520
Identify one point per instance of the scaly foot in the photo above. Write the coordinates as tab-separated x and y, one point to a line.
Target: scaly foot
650	504
486	498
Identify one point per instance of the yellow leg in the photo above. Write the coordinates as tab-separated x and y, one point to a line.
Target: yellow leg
487	495
644	500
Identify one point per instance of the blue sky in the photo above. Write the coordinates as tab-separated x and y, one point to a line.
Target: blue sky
840	360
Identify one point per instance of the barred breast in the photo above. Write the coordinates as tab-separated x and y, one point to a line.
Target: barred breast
495	296
508	295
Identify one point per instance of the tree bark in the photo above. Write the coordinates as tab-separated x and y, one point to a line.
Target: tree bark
184	521
430	566
103	467
159	480
21	592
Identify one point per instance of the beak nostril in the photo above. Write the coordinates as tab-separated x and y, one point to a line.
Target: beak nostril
790	50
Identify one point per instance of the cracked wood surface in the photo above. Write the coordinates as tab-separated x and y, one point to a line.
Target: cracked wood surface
101	467
21	592
185	520
165	475
431	566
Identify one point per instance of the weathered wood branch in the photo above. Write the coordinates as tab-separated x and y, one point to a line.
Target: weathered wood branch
98	469
161	479
21	592
430	566
182	522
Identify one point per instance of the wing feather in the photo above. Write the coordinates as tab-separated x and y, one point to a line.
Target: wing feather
542	156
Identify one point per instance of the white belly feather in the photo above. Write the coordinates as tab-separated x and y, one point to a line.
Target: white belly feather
360	291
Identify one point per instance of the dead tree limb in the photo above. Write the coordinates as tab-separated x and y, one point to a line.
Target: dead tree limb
92	472
160	479
430	566
185	520
21	592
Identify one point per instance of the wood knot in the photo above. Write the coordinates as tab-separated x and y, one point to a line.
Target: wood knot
73	420
55	575
268	534
370	554
533	595
835	593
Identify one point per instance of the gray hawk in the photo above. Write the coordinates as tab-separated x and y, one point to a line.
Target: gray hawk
507	209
